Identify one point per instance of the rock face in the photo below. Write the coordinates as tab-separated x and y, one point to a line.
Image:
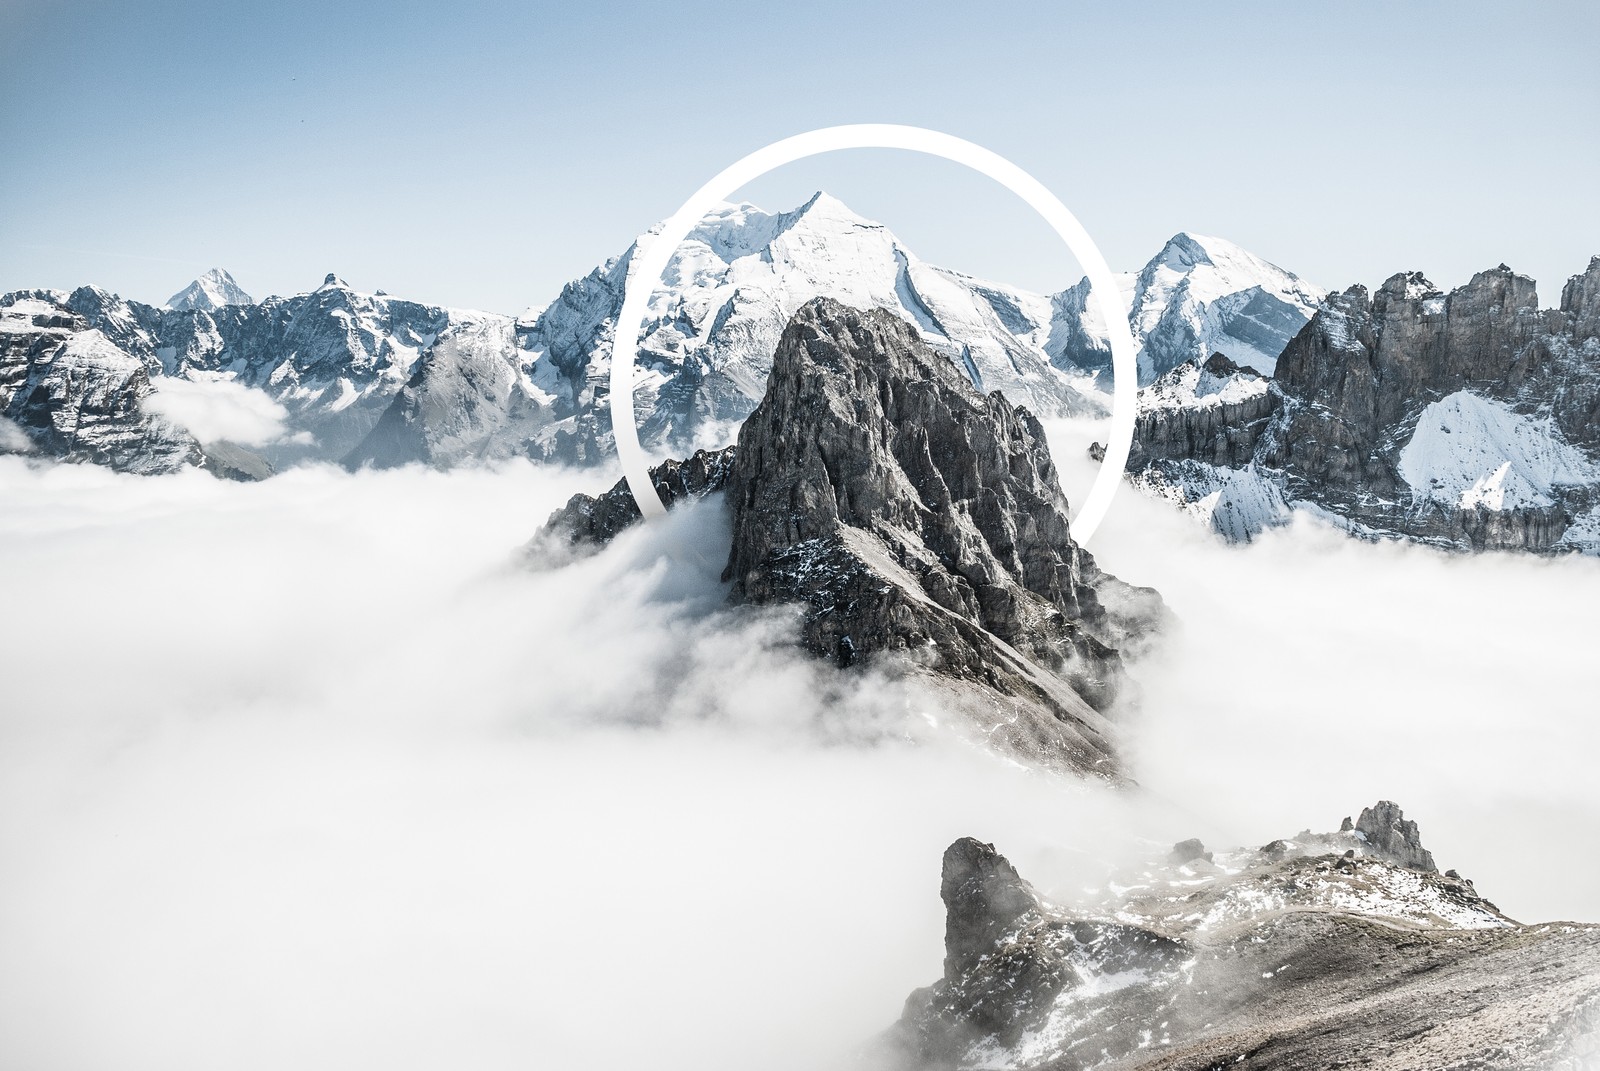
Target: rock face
1212	411
593	521
68	391
1390	836
1320	952
1009	957
334	358
1469	420
918	524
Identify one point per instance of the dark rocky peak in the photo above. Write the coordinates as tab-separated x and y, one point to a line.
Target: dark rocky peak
332	282
1406	285
918	525
1189	851
984	899
593	521
915	516
865	427
1580	299
1263	960
1220	364
1389	835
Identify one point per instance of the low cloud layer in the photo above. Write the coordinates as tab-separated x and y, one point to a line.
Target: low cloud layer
221	411
314	772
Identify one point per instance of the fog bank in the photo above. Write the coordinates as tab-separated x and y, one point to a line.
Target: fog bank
315	772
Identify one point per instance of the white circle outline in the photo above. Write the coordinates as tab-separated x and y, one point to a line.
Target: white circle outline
653	253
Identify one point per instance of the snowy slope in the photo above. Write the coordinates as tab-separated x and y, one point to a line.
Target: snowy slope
211	291
1202	384
1469	451
733	285
1198	296
372	379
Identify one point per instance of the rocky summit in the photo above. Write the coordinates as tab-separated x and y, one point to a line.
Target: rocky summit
1468	419
1325	950
918	525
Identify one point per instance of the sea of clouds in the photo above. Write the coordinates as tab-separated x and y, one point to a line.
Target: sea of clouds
319	772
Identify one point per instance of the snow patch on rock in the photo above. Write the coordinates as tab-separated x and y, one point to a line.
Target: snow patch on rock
1468	451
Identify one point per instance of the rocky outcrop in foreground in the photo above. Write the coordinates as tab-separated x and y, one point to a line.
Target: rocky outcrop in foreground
1467	420
918	525
1325	950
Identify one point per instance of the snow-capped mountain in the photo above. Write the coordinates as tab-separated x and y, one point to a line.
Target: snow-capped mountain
210	292
1198	296
332	358
365	378
711	329
1466	419
73	391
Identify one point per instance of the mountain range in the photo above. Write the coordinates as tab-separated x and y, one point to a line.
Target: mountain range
1468	419
370	379
1463	419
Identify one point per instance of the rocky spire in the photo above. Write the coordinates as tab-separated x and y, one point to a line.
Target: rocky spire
984	899
918	524
1391	836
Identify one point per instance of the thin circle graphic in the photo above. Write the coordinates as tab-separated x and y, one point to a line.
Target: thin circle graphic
650	262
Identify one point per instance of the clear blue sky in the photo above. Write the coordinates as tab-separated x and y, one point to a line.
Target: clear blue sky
481	154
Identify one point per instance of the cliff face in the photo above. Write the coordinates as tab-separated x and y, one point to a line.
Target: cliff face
1321	950
918	524
1212	411
69	391
1469	419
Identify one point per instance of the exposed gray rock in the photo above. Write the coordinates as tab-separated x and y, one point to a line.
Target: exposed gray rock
1357	388
917	524
1298	957
1389	835
1212	411
1188	851
78	396
590	521
1009	958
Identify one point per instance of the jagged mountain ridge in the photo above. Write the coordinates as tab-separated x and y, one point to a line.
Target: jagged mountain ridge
373	379
1198	296
732	286
1321	950
1468	419
70	391
915	524
334	358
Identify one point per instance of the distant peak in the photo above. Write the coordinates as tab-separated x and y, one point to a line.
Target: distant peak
1186	250
823	205
333	282
210	291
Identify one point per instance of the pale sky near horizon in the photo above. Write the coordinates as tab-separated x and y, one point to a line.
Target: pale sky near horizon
480	154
